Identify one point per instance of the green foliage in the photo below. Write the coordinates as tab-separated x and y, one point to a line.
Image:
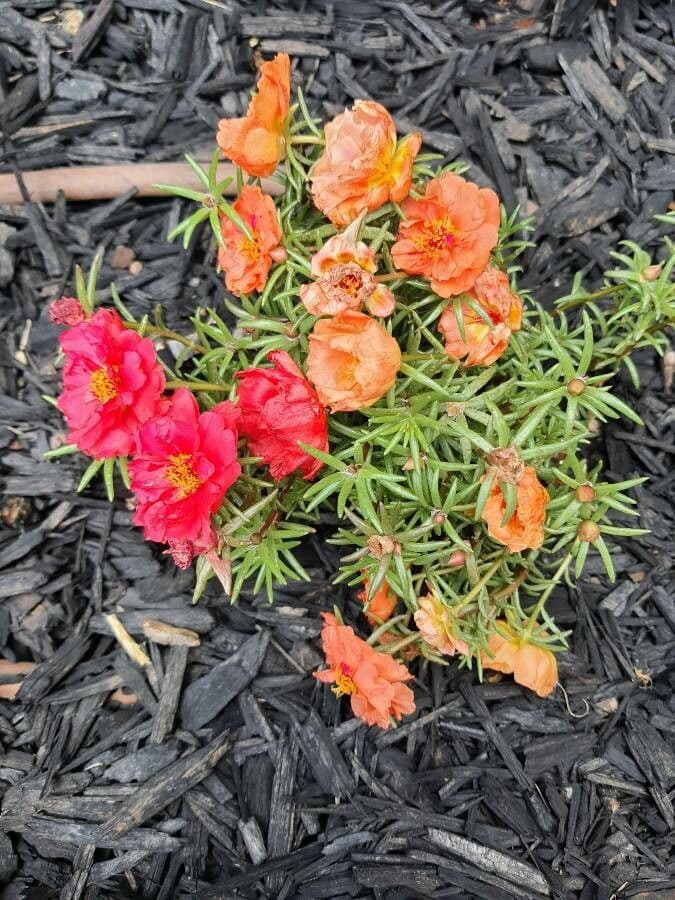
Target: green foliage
408	477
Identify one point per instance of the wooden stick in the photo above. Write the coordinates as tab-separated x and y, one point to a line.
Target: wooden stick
107	182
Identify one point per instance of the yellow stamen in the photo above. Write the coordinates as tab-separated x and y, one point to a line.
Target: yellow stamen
103	387
435	238
180	474
250	249
343	684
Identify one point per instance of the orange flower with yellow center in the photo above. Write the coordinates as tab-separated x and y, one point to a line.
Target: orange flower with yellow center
532	666
257	142
344	271
447	235
372	680
247	259
484	341
362	166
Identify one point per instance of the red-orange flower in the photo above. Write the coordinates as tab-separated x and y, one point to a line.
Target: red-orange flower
448	234
362	166
484	342
352	361
382	604
344	269
372	680
525	528
436	624
256	142
532	666
245	260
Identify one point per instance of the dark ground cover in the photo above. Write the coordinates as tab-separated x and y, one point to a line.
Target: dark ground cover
234	774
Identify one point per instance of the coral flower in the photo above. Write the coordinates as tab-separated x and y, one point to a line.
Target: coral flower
352	361
525	528
247	261
448	234
184	463
373	680
382	604
344	269
484	343
112	383
532	666
66	311
257	142
362	166
436	625
279	409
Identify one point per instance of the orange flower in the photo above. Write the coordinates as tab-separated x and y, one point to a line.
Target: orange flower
344	270
532	666
484	343
257	142
352	361
381	606
525	528
247	261
373	680
362	166
436	625
448	235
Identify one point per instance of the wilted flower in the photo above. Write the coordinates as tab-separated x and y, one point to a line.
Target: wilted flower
257	142
525	528
532	666
436	624
279	409
448	234
247	261
484	343
352	361
382	603
66	311
184	463
372	680
112	382
362	166
344	269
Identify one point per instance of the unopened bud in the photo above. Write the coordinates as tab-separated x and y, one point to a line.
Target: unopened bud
454	409
651	273
576	387
380	545
585	493
457	559
588	531
438	517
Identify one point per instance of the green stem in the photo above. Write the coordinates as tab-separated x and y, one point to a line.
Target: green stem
196	385
390	649
596	295
480	584
534	615
419	357
386	626
153	331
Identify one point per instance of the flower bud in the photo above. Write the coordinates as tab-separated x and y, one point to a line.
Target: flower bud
588	531
438	517
457	559
380	545
585	493
651	273
576	387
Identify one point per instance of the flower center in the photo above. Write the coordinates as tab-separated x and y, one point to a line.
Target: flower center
436	237
103	385
250	248
180	474
343	682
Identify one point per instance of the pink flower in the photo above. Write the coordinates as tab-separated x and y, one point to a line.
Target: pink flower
112	383
183	466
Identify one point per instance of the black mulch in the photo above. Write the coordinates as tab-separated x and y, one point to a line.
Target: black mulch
235	774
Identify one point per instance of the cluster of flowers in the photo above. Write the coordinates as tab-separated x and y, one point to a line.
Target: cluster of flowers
182	462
